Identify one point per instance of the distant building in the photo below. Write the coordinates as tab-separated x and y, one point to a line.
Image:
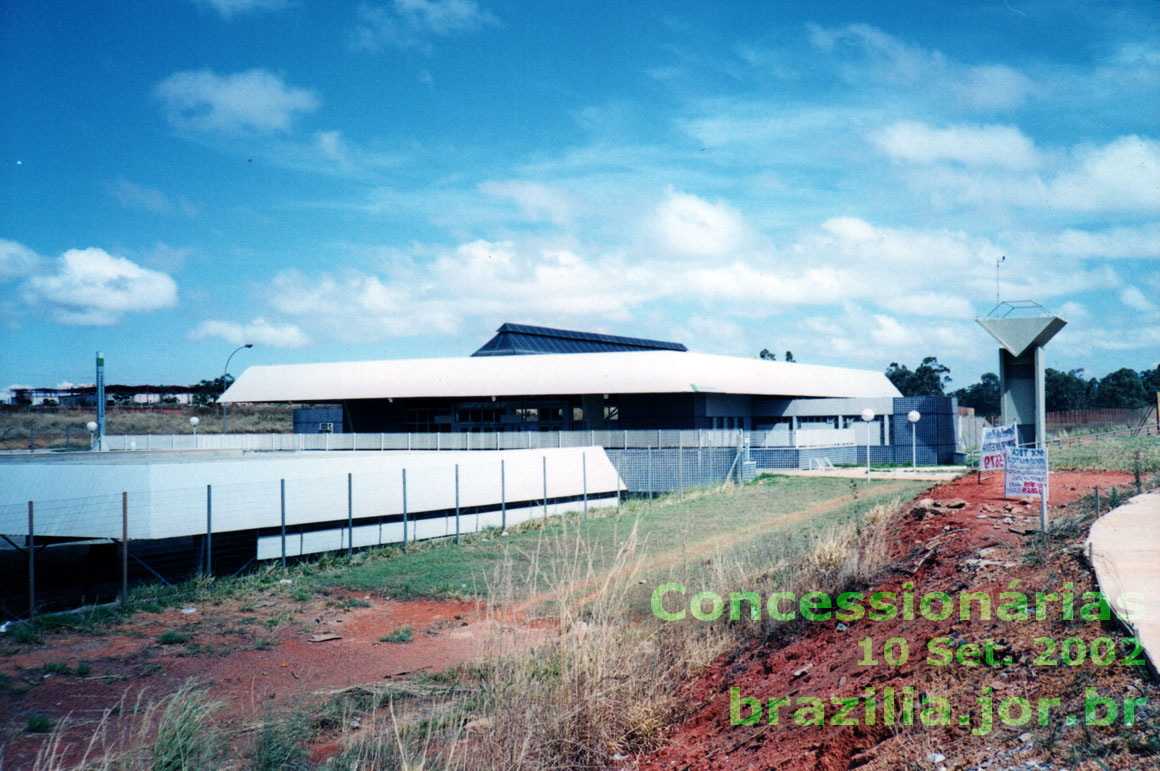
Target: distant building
86	395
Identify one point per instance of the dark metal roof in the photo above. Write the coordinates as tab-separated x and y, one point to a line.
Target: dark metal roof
521	339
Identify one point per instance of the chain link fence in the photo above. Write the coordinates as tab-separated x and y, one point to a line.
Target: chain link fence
62	552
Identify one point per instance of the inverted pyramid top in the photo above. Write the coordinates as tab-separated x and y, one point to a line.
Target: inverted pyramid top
1018	325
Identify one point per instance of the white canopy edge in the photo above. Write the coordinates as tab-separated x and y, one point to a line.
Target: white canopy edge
550	375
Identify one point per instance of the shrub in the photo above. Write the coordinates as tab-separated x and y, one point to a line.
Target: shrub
38	724
402	634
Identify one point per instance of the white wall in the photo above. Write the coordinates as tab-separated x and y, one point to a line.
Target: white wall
167	497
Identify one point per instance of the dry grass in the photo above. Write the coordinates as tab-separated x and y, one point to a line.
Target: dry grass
600	686
172	733
49	428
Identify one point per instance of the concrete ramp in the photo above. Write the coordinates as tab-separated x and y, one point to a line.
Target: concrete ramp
1125	551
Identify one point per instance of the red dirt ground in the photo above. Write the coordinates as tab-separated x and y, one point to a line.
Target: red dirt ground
222	653
819	660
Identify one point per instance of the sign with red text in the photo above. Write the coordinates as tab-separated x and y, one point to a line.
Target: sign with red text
997	440
1025	473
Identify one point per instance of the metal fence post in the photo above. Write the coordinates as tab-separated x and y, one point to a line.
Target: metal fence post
502	500
124	549
349	515
650	486
1097	500
619	478
31	544
681	473
67	438
283	486
545	459
404	511
208	530
457	502
584	472
32	439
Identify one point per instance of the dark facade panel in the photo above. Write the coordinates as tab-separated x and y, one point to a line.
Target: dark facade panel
318	420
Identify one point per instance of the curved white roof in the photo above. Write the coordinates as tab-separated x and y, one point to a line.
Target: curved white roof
552	374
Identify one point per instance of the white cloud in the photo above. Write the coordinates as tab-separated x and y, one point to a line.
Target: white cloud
17	260
444	17
227	8
921	253
1123	174
868	55
932	304
479	279
1135	299
331	145
1003	146
764	290
410	23
1120	176
994	87
1127	242
538	202
693	227
134	195
258	332
1072	311
256	99
167	258
90	287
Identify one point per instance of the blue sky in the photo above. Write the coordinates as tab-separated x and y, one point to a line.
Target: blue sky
339	181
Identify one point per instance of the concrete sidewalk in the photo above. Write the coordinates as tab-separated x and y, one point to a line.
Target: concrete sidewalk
1124	545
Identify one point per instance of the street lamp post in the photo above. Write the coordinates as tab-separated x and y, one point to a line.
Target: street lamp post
867	416
913	416
225	374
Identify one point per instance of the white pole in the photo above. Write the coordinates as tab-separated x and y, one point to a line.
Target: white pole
867	416
913	416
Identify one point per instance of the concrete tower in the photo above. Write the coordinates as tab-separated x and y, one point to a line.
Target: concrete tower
1022	328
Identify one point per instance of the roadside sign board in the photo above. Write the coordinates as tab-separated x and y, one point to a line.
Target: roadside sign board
1025	473
997	441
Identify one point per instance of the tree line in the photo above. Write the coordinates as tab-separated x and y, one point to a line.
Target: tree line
1124	388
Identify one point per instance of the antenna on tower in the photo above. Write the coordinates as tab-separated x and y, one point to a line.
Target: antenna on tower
998	261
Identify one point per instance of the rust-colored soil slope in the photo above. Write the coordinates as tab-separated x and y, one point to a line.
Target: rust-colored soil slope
979	546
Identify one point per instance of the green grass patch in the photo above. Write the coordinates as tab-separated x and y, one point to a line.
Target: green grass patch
173	637
747	525
402	634
1119	454
38	724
